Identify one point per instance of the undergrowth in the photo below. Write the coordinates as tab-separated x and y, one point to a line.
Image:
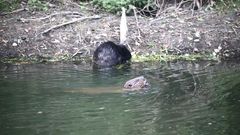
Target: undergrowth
9	5
227	4
115	5
151	7
155	7
37	5
169	57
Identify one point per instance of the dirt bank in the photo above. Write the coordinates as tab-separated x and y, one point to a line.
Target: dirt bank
67	32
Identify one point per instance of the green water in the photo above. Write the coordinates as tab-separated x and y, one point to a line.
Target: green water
70	99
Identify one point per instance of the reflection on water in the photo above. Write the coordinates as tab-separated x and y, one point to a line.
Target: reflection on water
184	99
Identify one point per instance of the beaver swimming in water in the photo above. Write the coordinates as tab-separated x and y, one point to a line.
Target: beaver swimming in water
137	83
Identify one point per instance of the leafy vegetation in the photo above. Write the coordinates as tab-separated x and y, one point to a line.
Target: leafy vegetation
169	57
227	4
9	5
154	6
38	5
115	5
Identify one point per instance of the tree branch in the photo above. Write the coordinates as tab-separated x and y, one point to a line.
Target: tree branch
45	32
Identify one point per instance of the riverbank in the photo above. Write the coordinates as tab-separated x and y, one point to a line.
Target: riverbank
68	33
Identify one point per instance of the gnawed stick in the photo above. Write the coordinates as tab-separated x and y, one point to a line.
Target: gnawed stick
67	23
123	27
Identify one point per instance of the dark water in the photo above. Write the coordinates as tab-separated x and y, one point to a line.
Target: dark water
67	99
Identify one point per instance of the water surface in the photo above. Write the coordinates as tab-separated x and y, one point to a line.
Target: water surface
70	99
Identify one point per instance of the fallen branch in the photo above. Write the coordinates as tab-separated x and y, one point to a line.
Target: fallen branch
67	23
51	15
14	11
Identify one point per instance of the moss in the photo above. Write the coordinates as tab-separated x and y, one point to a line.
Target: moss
167	57
41	59
135	58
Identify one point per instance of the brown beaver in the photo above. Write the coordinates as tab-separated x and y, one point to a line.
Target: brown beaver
136	84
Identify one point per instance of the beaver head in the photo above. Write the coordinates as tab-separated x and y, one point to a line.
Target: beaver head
136	84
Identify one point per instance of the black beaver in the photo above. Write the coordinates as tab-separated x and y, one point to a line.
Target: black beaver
109	54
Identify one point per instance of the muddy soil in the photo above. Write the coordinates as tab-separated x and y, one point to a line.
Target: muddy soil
71	32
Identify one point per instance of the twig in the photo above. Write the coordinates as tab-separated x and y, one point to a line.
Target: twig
234	30
165	10
146	9
14	11
137	23
182	3
51	15
135	15
67	23
75	53
160	6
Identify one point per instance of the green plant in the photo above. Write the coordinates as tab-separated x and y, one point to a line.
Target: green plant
9	5
171	57
38	5
115	5
227	4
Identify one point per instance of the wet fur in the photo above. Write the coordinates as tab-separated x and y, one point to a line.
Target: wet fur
137	83
109	54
